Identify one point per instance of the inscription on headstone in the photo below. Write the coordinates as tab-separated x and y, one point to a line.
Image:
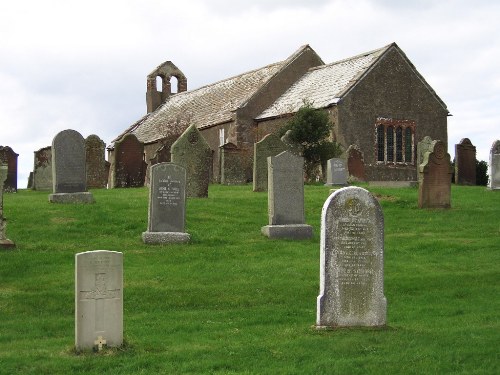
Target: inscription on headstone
465	163
167	205
336	172
495	166
69	177
434	190
192	152
270	145
352	261
5	243
98	299
286	197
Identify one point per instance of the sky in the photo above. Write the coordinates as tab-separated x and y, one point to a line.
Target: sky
82	65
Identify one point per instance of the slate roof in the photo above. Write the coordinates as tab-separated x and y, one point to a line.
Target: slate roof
207	106
325	85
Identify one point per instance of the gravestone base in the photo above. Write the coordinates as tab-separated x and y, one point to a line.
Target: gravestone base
165	237
293	231
83	197
336	185
7	244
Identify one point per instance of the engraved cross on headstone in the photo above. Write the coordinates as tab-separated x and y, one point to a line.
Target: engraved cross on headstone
100	342
99	294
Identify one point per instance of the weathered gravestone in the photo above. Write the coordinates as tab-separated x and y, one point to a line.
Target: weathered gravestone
270	145
434	189
292	146
192	152
167	205
351	261
42	169
495	166
286	198
9	157
465	163
356	163
128	168
336	172
98	299
5	243
233	159
95	151
425	145
69	178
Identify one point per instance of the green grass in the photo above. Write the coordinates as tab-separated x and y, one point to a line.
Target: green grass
235	302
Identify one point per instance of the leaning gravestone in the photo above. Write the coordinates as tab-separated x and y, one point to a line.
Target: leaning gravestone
465	163
5	243
9	157
270	145
42	169
351	261
128	168
425	145
98	299
336	172
95	151
192	152
167	205
286	198
495	166
434	189
69	177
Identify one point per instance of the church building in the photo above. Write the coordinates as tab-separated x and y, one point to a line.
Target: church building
379	104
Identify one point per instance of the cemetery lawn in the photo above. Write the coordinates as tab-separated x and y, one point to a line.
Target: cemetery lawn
235	302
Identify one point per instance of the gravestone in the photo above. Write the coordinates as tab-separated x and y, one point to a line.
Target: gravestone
356	163
270	145
98	299
291	146
495	166
167	205
192	152
434	189
9	157
5	243
95	151
128	168
336	172
465	163
425	145
69	178
351	261
233	159
42	169
286	197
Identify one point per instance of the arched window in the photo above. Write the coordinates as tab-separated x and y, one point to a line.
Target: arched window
390	144
399	144
380	143
408	145
159	84
174	85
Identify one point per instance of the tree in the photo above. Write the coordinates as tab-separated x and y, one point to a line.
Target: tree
310	129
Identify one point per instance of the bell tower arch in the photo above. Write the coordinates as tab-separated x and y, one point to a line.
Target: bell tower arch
156	95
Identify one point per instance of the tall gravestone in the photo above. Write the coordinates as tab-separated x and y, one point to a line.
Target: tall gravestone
95	151
192	152
434	189
5	243
424	146
128	168
69	178
9	157
286	198
42	169
98	299
167	205
351	261
356	163
336	172
495	166
270	145
465	163
232	161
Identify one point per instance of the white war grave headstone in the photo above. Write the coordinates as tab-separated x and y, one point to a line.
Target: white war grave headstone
98	299
167	205
286	198
351	261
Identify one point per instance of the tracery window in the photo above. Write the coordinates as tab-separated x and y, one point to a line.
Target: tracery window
394	141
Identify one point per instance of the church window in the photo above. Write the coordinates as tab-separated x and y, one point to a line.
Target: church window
394	141
380	143
222	141
390	143
408	145
399	144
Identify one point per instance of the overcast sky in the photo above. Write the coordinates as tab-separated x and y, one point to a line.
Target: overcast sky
82	64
